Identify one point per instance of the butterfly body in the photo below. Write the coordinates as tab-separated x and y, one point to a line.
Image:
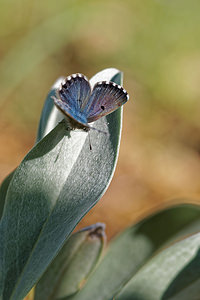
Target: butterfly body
83	105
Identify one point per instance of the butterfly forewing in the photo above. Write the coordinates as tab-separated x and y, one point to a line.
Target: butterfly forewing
106	97
73	96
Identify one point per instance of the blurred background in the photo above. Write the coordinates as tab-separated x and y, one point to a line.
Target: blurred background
156	43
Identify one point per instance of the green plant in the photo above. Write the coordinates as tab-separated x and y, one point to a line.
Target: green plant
44	199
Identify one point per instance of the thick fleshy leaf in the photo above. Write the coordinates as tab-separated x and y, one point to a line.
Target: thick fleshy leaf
172	274
133	247
71	267
50	116
56	184
3	191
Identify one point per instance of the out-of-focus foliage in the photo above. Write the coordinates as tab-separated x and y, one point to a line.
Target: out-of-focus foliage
156	43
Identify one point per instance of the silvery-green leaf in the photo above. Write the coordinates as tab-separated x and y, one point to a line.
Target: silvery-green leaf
131	249
71	267
50	116
173	274
56	184
3	191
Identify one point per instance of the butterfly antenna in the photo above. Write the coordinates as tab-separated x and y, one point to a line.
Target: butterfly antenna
89	141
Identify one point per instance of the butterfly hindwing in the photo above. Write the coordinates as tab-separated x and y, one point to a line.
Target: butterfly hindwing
73	95
106	97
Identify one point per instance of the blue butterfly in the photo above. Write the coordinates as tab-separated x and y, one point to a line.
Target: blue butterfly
83	105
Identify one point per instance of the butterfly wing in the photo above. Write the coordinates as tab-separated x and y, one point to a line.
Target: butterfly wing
72	96
106	97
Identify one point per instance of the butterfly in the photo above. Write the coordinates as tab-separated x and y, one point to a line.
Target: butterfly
83	105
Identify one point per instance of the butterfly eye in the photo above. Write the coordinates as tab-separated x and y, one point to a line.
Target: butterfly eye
102	107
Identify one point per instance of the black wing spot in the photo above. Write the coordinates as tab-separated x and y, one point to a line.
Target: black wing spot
102	107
